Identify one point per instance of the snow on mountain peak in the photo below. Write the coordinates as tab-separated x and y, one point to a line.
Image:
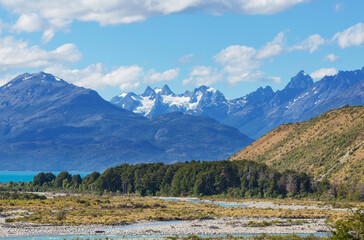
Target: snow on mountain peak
213	90
122	95
158	101
157	90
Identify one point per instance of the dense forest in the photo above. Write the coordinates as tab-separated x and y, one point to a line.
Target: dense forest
229	178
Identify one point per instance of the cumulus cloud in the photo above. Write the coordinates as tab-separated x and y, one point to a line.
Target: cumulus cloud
126	77
311	44
203	75
331	57
32	22
265	6
96	76
154	77
272	49
322	72
29	23
242	63
16	54
118	11
353	36
238	63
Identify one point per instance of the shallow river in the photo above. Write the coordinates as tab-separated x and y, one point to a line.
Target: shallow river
69	237
222	204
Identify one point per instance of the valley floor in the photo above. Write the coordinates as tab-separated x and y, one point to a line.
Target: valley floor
154	228
80	215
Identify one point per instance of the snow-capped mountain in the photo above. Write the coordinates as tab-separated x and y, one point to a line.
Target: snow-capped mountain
260	111
49	124
157	101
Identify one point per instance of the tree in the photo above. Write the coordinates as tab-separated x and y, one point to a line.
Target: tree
76	181
58	182
39	179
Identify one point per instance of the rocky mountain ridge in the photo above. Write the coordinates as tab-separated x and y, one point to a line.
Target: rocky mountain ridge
258	112
48	124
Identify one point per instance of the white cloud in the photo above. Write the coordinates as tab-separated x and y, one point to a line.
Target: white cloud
126	77
353	36
16	54
312	43
29	23
47	35
320	73
238	63
185	58
95	76
242	63
331	57
273	48
154	77
203	75
118	12
265	6
32	22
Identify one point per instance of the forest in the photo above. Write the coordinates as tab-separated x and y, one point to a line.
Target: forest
238	179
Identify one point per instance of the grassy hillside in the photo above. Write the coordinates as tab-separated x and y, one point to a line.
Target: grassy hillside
330	145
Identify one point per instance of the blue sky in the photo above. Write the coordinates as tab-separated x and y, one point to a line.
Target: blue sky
235	46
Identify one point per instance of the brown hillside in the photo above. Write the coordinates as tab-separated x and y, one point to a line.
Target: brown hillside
331	145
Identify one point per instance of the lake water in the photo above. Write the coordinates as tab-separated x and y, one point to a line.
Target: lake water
27	176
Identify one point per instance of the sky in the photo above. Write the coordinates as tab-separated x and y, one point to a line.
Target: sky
235	46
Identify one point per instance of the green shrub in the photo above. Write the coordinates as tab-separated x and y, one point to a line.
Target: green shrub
349	228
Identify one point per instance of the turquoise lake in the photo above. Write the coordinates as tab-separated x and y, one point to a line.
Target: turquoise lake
27	176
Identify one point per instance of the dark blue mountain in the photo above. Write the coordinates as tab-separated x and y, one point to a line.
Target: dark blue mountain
48	124
260	111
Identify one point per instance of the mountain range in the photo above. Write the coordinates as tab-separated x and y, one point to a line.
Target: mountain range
258	112
49	124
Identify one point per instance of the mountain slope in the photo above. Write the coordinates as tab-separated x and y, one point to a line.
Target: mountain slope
260	111
330	145
48	124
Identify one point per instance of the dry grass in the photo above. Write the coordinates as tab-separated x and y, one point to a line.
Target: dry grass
87	209
317	146
290	201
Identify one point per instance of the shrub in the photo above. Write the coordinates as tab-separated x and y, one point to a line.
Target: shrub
349	228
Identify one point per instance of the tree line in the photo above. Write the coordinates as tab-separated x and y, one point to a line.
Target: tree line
229	178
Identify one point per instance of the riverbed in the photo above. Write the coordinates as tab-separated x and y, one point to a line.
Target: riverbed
152	229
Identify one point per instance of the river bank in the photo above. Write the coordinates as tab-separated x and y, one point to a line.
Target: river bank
80	215
218	226
260	204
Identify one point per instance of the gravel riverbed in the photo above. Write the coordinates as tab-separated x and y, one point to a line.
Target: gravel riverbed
193	227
